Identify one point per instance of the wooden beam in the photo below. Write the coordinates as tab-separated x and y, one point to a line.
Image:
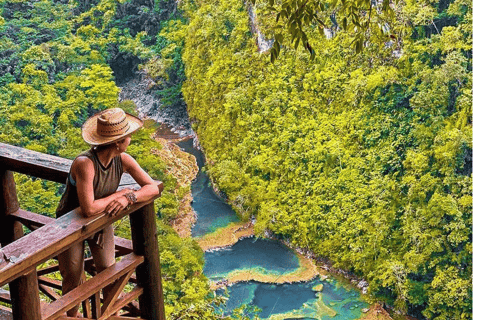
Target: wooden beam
92	306
115	291
34	163
6	313
123	246
24	287
52	283
8	197
133	308
123	318
25	299
145	243
127	299
5	296
10	230
95	284
47	270
89	266
31	220
96	305
34	221
49	292
133	278
87	308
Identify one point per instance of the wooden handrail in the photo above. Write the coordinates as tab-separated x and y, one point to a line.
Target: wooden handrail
55	237
50	237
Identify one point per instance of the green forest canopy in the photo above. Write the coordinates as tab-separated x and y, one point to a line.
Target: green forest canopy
56	69
365	158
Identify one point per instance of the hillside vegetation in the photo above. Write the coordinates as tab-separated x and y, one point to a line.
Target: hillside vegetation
58	63
365	159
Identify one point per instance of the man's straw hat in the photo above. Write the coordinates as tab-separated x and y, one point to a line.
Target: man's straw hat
109	126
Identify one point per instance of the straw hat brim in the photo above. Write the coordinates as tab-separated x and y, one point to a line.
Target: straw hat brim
90	135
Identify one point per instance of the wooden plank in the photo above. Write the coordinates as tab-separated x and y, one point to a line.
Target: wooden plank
92	306
90	269
6	313
34	163
87	310
25	298
47	270
34	221
52	283
31	220
51	239
49	292
123	318
133	279
5	296
127	299
10	230
115	291
96	305
123	246
24	288
89	266
133	309
95	284
8	193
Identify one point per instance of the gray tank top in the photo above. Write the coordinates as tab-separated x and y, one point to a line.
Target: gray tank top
105	182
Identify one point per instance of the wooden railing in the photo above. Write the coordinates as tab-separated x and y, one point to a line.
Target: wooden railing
20	255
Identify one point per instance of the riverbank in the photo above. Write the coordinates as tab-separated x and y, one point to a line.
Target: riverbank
227	236
183	167
306	271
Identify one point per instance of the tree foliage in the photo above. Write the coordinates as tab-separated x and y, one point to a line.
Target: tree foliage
361	157
368	21
58	65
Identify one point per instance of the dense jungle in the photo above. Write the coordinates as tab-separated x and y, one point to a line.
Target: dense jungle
353	144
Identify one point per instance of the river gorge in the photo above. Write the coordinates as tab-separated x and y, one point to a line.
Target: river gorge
256	272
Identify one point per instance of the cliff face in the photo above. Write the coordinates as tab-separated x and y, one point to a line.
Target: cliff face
140	88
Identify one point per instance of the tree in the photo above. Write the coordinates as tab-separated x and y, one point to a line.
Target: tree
369	21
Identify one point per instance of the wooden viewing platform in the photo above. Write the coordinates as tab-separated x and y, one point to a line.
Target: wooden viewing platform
137	266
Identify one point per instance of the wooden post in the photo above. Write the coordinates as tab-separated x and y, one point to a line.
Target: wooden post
144	240
24	289
9	230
